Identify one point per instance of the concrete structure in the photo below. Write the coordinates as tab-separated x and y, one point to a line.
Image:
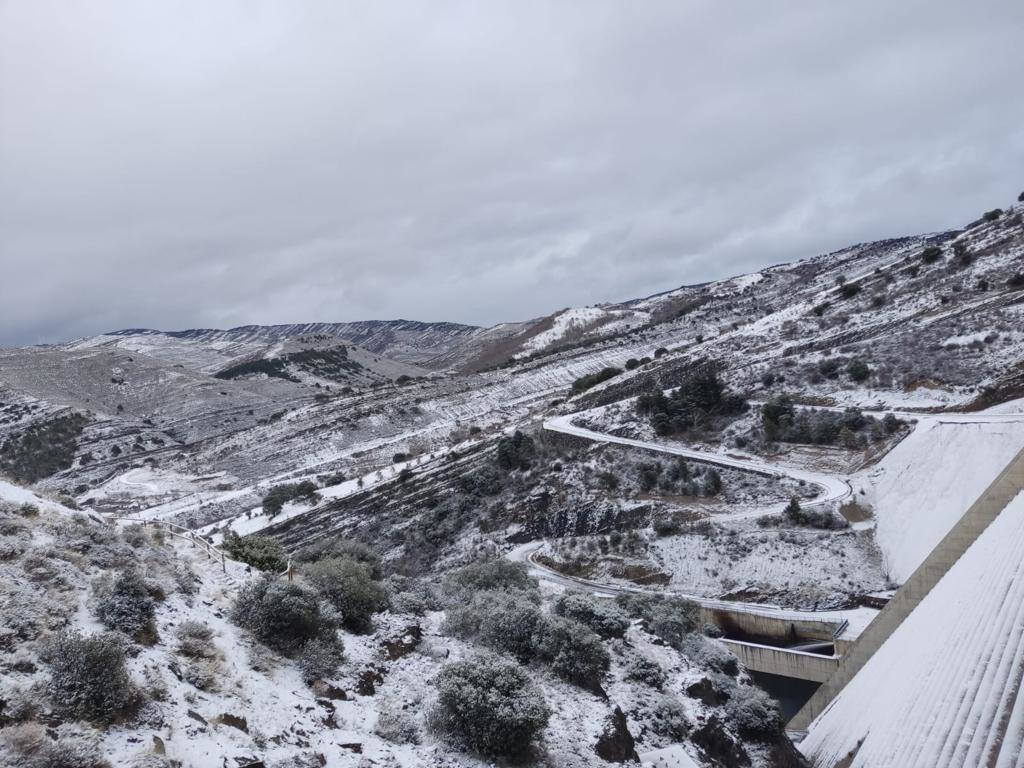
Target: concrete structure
784	662
975	520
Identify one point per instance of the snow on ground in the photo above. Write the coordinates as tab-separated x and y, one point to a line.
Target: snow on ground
18	495
926	483
809	567
571	321
942	692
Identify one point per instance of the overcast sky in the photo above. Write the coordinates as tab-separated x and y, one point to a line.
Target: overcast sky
216	163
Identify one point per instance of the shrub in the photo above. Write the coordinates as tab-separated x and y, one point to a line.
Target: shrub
660	351
397	726
348	585
68	746
135	535
849	290
601	616
931	254
489	705
354	550
481	480
632	364
515	452
668	718
88	679
583	383
264	553
126	606
503	621
497	574
320	659
281	614
712	483
201	673
710	654
573	651
646	670
753	712
195	640
992	215
858	371
1017	281
673	620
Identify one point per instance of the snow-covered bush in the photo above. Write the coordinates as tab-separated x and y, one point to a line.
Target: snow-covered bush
185	578
71	746
572	650
281	614
710	654
46	567
12	547
88	679
348	585
201	673
134	535
753	712
413	596
28	614
645	670
489	575
195	639
125	605
397	725
320	659
673	620
667	717
504	621
489	705
354	550
601	616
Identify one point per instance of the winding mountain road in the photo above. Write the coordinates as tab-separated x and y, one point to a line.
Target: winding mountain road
832	488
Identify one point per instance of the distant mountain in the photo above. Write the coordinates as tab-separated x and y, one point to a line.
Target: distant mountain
432	345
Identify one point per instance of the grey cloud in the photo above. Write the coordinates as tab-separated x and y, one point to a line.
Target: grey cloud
213	164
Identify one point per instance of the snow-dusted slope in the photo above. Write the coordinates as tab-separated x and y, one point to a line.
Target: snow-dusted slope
942	692
920	489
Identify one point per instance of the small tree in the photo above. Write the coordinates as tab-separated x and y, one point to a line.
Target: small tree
489	705
793	511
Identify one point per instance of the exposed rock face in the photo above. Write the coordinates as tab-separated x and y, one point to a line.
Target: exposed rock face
718	746
705	691
616	743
